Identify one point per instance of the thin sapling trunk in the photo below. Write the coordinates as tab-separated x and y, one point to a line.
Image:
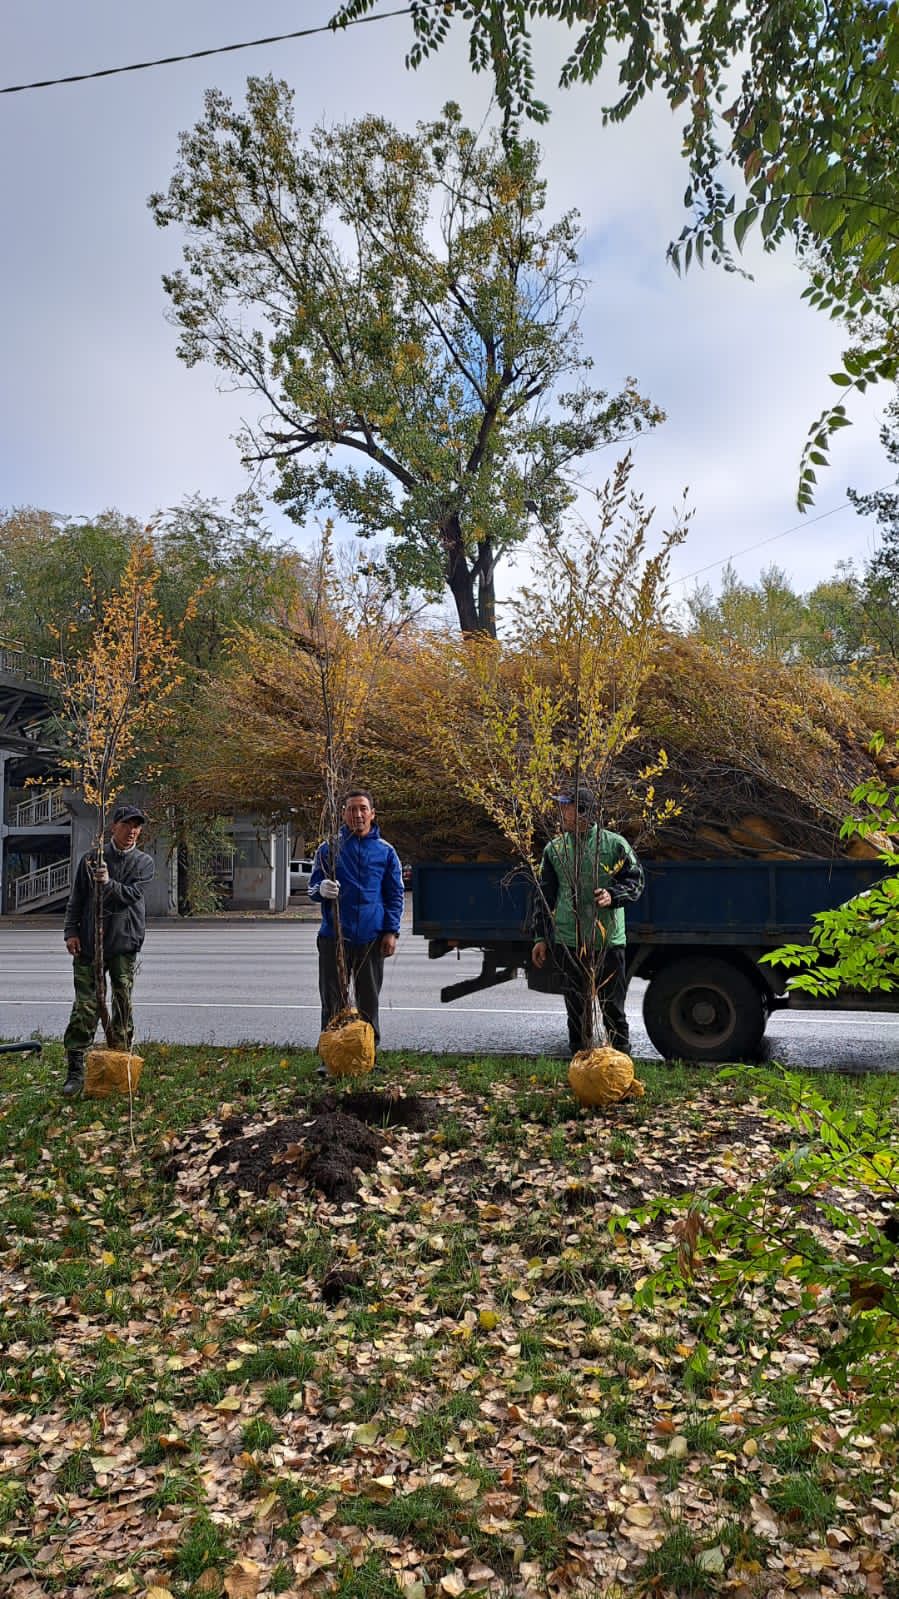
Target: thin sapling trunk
99	964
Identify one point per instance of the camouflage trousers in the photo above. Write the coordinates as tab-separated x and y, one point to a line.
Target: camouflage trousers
79	1034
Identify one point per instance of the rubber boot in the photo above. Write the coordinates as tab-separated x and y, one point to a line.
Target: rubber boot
74	1082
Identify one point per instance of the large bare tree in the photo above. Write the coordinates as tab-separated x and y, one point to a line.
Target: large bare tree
408	320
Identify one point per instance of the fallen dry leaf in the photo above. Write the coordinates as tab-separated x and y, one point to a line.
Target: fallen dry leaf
244	1579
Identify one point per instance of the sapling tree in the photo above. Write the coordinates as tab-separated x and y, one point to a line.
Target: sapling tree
557	703
115	691
301	694
345	637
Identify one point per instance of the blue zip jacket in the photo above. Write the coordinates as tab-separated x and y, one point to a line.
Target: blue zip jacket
371	886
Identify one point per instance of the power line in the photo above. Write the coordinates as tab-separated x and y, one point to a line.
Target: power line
797	526
196	55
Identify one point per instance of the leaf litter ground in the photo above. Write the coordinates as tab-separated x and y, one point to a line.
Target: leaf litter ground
386	1344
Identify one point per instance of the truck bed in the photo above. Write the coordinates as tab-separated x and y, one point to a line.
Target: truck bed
714	902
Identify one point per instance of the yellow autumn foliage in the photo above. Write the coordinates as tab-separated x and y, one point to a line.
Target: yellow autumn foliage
116	694
719	740
694	750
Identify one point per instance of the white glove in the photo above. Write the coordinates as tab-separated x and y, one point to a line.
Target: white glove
329	888
101	873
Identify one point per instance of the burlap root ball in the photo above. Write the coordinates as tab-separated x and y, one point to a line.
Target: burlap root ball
603	1076
107	1072
347	1046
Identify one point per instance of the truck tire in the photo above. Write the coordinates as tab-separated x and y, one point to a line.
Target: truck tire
704	1010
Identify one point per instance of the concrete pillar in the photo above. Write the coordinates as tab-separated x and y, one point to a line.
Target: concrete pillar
4	757
281	860
254	867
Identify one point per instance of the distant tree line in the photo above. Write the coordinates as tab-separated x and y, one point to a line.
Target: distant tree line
850	617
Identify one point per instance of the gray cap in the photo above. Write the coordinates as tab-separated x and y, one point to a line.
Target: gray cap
583	798
128	813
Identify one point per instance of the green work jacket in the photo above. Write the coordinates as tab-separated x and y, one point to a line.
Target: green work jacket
606	861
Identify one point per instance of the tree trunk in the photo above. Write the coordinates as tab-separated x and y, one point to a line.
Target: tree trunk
460	579
99	968
182	860
343	976
486	569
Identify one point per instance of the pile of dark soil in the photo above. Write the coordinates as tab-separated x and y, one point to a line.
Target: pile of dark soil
326	1152
337	1136
378	1110
339	1285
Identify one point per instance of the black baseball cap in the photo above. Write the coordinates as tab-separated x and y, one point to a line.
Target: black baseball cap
583	798
128	813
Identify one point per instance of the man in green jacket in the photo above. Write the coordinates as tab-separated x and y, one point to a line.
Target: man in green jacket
587	875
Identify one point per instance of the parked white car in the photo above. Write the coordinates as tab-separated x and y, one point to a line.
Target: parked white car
300	873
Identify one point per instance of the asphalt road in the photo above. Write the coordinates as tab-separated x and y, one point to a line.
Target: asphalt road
256	981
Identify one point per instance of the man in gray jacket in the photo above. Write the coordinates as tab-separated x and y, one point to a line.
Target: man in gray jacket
124	871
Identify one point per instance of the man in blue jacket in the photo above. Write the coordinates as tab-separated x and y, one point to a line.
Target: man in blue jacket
365	886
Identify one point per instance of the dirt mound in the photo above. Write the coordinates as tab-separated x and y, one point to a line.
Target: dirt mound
327	1152
334	1138
378	1110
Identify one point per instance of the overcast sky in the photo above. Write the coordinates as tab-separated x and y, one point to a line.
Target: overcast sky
97	410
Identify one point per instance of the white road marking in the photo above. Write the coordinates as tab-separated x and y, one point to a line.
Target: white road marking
844	1020
210	1004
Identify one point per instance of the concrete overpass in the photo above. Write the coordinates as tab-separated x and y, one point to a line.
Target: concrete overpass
27	698
28	701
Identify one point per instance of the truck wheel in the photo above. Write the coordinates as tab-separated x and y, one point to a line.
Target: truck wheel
704	1010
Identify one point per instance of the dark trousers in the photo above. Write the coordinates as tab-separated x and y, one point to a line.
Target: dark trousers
608	976
79	1035
365	969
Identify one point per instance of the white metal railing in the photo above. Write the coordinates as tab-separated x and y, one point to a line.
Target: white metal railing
17	662
44	808
221	864
46	883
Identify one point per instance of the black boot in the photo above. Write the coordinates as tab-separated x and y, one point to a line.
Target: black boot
74	1082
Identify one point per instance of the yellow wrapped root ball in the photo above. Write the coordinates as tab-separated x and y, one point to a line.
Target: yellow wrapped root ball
111	1071
347	1046
603	1076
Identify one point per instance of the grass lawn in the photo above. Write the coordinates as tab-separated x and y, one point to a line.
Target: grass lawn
217	1381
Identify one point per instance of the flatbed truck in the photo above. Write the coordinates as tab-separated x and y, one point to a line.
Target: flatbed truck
696	934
